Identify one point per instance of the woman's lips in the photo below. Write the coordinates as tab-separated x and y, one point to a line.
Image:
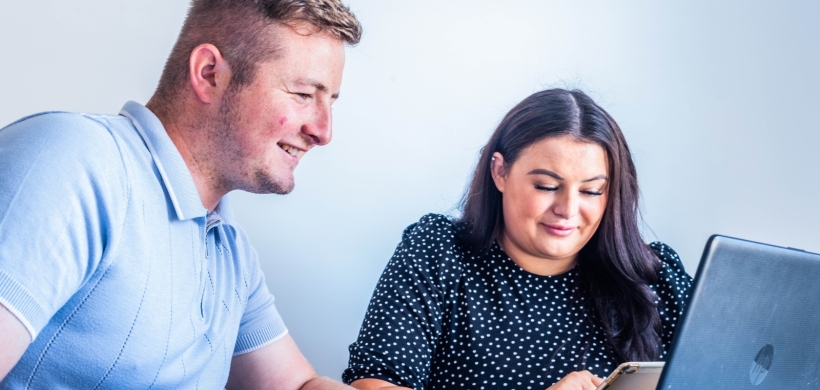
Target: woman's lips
559	230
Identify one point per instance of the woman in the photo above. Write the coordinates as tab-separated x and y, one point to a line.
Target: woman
544	281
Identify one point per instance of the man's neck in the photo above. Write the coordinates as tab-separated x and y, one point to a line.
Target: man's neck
205	178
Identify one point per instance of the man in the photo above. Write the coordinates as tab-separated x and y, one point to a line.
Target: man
120	264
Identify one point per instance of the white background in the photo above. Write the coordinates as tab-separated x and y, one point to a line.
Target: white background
718	100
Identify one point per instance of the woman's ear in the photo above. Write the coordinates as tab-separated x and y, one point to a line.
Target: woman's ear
499	171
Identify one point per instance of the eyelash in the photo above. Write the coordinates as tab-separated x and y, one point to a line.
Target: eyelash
552	189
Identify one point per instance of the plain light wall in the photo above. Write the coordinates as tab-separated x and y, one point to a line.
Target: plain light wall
718	101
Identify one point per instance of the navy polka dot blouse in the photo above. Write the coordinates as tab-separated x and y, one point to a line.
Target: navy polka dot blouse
442	317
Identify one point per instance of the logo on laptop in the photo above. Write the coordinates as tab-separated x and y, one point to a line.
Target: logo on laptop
761	364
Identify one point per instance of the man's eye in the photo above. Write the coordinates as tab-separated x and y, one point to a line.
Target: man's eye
546	188
303	95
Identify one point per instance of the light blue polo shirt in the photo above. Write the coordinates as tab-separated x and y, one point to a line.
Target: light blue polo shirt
107	256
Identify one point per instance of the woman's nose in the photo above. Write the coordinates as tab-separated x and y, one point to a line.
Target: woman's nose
566	204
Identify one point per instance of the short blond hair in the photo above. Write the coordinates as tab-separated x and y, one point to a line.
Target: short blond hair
237	28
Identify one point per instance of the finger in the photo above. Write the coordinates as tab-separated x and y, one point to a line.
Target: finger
597	381
589	379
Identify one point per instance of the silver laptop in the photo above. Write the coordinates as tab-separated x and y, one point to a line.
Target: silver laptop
752	322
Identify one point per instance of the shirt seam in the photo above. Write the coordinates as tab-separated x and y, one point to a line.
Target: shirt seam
20	317
262	345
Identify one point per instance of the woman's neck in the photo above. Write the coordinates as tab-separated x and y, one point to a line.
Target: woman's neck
535	264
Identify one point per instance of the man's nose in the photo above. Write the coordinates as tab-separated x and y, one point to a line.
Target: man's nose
318	128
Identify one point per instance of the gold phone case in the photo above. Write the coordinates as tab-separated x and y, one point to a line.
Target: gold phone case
652	369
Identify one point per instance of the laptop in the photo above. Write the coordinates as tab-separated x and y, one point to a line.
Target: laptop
752	322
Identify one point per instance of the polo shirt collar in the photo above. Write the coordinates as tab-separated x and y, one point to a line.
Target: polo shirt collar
172	168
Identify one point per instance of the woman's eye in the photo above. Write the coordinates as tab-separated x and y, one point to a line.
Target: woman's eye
546	188
593	193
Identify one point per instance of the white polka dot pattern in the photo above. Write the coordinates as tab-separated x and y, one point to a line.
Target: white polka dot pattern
443	317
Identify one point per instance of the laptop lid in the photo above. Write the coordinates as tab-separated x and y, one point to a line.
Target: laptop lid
752	322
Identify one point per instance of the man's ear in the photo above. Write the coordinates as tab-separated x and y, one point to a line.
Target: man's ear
499	171
209	73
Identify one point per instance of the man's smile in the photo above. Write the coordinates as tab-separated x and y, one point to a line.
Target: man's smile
292	150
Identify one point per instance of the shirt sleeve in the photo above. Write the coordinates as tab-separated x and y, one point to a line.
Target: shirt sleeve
261	323
62	188
403	323
672	290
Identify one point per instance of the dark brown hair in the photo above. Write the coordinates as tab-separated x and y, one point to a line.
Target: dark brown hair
615	265
238	29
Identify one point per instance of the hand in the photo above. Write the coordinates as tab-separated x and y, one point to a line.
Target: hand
577	380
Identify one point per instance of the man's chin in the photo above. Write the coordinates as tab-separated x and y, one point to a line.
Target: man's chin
266	184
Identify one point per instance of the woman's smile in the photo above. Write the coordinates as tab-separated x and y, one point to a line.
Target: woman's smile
558	230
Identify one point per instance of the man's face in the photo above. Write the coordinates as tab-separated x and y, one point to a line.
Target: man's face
268	125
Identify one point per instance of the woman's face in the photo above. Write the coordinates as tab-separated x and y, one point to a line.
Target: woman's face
554	197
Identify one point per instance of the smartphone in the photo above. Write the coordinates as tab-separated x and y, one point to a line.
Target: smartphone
633	376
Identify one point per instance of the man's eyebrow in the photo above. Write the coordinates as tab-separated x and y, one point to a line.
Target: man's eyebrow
316	84
558	177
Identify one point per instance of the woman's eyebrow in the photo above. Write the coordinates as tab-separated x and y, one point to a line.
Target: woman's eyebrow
541	171
545	172
599	177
